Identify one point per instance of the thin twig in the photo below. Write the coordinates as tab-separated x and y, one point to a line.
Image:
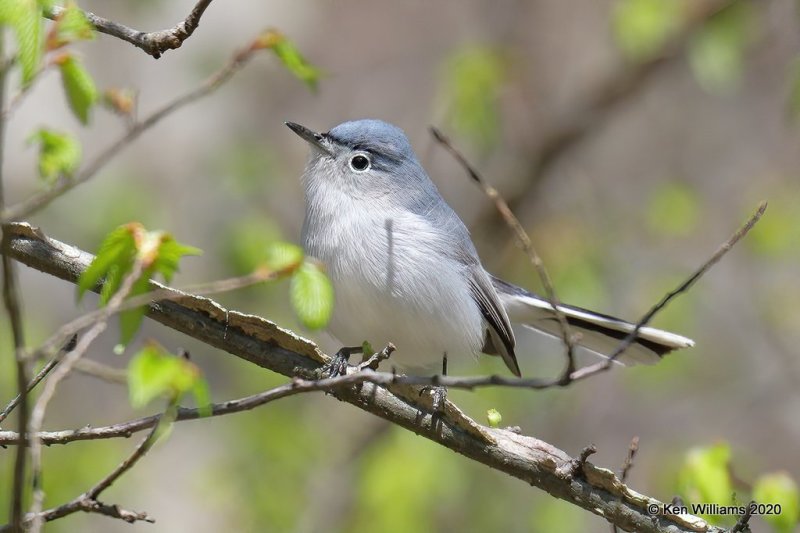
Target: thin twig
590	370
628	463
39	200
626	467
138	453
88	502
153	43
743	524
600	106
11	300
126	429
160	294
24	91
61	372
36	379
526	244
98	370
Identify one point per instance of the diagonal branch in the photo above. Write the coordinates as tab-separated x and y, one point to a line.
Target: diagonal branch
41	199
527	245
88	502
154	43
267	345
599	108
60	373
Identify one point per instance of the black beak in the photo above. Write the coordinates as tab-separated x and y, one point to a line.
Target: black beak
316	139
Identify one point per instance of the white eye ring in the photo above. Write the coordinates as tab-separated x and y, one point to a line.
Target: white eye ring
360	163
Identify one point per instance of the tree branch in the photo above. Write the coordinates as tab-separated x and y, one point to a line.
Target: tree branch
526	244
11	301
87	501
267	345
41	199
598	108
62	371
154	43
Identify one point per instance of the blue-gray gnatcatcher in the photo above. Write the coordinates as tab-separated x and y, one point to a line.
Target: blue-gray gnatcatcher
404	268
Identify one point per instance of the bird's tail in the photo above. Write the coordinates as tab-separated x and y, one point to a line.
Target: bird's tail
600	333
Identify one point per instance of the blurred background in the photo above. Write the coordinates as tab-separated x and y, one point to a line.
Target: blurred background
631	137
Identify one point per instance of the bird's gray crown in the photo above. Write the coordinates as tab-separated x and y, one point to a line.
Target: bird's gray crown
375	136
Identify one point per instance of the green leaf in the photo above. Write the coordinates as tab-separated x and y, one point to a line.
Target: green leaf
280	255
779	488
154	372
79	87
71	26
366	350
157	252
59	153
494	417
169	254
473	79
290	57
25	16
202	397
642	27
705	476
311	294
716	53
674	209
131	319
114	258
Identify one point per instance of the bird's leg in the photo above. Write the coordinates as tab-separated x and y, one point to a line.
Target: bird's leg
338	365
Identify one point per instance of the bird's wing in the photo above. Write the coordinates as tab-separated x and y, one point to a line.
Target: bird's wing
500	340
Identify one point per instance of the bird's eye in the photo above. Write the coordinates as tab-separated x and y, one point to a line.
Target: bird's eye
360	163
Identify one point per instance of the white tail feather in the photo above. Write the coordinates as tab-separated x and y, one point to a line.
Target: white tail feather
600	333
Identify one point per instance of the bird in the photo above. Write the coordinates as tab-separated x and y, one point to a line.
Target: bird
405	270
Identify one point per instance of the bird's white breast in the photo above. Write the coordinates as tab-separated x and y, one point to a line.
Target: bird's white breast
390	283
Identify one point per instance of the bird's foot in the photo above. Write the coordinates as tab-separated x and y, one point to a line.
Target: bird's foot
337	366
438	397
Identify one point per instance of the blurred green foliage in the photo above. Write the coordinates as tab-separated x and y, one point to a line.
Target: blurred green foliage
716	49
311	293
247	242
716	53
777	234
291	58
59	153
402	464
472	79
78	86
674	209
779	488
705	478
153	372
24	16
642	27
157	252
574	258
71	26
494	418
